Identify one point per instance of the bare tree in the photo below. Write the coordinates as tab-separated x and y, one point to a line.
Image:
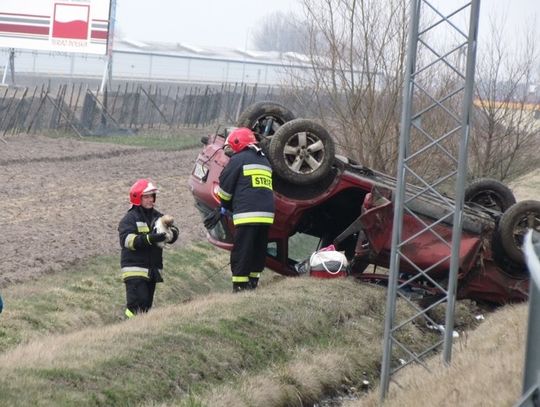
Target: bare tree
505	141
356	50
280	32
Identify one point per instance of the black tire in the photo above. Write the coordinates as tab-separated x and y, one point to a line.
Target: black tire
490	194
302	152
264	118
513	225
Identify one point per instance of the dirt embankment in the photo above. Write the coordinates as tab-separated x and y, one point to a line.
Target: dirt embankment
62	200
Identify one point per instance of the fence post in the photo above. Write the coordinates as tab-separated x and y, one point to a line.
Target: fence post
14	121
38	110
134	120
241	102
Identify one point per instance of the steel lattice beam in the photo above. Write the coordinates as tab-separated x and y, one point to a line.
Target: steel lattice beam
416	142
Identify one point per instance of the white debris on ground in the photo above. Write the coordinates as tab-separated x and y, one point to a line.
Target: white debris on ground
441	329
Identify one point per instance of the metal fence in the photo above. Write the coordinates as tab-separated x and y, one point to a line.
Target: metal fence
127	107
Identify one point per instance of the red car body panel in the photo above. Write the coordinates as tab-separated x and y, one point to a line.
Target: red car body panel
426	249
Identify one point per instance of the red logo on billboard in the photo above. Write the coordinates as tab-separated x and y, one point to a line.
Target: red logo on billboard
70	21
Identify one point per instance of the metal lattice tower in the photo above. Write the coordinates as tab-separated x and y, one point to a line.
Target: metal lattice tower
435	128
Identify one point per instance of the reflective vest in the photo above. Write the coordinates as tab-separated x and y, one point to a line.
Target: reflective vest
145	262
245	188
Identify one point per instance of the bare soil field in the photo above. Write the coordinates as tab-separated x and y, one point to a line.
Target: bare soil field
62	200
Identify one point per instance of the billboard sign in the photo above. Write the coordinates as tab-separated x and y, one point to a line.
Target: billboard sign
55	25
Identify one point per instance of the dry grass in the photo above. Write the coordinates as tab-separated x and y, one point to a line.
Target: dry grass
298	337
91	294
486	369
84	348
527	186
309	374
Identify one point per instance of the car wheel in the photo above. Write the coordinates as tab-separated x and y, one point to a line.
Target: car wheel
513	226
490	194
301	152
264	118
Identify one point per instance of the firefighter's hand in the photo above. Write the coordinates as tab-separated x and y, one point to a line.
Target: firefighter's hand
155	237
212	218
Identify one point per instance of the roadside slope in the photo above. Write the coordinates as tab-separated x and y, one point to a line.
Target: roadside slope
487	363
182	353
486	369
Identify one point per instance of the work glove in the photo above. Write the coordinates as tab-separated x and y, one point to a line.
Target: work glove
154	238
213	217
228	150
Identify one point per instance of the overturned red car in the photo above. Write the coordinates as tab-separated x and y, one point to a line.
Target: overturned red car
322	198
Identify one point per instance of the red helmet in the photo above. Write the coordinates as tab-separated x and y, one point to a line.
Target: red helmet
240	138
139	188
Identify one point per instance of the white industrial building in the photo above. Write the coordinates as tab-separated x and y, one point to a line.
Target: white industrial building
175	62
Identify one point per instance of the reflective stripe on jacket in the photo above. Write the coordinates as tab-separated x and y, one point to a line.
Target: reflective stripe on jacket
245	187
130	272
141	262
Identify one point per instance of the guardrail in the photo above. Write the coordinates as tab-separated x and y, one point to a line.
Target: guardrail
531	374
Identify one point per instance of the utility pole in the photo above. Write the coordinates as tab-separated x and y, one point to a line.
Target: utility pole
417	141
10	66
107	73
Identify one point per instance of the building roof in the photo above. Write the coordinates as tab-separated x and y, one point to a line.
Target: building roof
186	50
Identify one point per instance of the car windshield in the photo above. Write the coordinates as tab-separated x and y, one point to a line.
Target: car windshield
300	247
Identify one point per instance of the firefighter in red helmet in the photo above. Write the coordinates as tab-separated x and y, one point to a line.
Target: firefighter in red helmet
141	258
245	189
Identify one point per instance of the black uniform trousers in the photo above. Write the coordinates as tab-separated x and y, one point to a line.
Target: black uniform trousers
139	294
248	255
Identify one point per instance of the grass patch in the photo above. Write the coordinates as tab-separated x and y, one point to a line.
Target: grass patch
290	343
92	293
180	354
486	369
175	139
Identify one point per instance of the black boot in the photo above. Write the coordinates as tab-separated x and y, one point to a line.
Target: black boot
254	279
237	287
253	283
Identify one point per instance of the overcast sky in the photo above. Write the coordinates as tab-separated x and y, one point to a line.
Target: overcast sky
221	23
230	23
